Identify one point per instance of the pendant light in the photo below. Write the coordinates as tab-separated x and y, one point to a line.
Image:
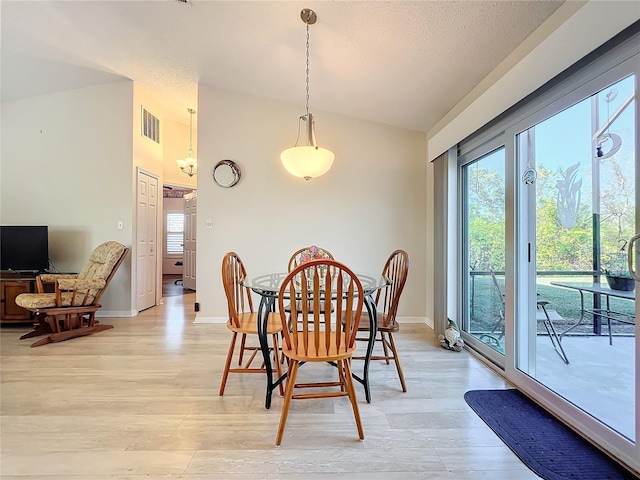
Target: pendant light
307	161
189	165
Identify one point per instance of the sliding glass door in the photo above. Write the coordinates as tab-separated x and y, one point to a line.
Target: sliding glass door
483	226
576	334
547	204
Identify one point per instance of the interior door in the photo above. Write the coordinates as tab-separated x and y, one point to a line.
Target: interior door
190	224
146	240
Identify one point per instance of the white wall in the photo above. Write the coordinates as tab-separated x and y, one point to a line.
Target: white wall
175	145
370	203
66	163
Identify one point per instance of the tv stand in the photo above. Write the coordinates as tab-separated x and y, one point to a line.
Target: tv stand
12	284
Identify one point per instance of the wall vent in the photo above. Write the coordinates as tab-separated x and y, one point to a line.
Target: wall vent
150	126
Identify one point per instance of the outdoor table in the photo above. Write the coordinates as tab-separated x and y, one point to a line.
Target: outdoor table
608	313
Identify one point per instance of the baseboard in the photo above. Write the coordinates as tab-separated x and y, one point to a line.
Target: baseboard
402	320
116	314
200	319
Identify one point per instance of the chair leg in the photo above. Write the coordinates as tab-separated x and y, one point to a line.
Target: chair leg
276	358
227	364
42	327
352	395
392	344
384	347
242	346
69	334
291	381
553	336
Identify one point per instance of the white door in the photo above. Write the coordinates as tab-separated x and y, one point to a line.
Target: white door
146	235
190	224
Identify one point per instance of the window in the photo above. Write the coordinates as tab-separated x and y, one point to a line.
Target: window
174	240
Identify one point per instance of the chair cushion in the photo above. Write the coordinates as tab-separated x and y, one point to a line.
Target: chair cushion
35	301
81	284
102	260
52	277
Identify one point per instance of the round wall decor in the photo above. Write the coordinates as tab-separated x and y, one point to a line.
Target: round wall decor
226	173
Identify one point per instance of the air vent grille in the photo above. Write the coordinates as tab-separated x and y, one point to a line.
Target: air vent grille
150	126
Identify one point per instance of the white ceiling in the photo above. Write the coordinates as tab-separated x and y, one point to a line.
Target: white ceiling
403	63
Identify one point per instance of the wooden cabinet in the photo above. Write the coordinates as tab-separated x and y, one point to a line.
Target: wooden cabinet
11	285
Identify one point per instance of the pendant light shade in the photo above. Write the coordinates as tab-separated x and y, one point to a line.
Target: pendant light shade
307	161
189	165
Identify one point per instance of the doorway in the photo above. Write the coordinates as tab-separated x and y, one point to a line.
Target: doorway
174	228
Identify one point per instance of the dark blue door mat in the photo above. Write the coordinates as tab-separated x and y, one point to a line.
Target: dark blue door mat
544	444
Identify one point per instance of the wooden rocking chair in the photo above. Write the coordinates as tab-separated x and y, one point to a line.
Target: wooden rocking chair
70	310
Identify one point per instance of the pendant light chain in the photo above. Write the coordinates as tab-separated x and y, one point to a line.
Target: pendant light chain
307	70
191	112
307	161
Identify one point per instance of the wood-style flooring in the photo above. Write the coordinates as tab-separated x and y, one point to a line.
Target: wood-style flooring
140	401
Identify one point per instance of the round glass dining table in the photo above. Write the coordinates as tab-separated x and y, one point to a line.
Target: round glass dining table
268	287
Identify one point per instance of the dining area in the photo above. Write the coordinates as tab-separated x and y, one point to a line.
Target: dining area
318	311
144	401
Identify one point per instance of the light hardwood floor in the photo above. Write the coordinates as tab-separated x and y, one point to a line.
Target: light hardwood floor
141	401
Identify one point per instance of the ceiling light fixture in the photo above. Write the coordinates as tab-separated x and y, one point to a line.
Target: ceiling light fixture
189	165
307	161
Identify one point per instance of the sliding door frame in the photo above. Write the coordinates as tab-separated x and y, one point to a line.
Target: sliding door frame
604	66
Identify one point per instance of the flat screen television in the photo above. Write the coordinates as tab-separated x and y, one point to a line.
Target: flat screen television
24	248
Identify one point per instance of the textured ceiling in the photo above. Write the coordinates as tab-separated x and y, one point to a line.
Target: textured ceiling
403	63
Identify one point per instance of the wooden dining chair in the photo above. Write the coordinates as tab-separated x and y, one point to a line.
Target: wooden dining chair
243	320
320	336
395	270
304	255
308	253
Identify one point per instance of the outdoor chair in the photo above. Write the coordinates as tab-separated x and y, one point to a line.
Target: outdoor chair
243	321
543	314
69	311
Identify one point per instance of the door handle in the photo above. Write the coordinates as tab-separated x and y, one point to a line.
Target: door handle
633	272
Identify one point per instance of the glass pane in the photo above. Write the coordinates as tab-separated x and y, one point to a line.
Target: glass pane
175	222
175	233
584	203
484	248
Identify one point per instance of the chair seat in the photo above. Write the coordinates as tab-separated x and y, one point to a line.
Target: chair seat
249	323
365	325
322	354
553	315
287	307
40	301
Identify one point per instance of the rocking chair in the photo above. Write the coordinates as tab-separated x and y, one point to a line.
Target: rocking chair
70	310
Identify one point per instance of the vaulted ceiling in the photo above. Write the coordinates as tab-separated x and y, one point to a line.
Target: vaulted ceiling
403	63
